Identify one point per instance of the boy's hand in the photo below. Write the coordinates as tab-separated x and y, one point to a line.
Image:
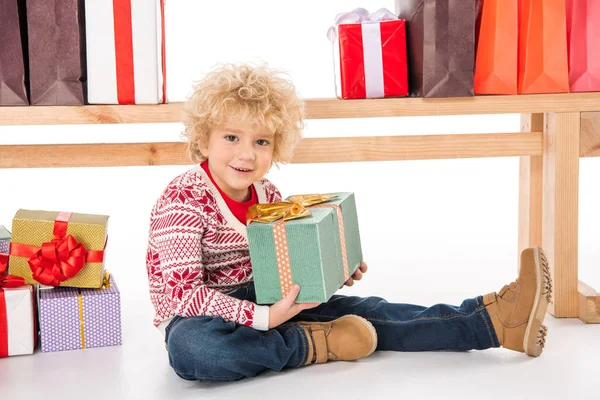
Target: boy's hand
287	308
357	275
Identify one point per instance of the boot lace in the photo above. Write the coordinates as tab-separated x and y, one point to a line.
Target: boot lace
547	290
541	337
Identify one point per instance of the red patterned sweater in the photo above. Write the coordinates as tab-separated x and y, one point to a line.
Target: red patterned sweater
198	252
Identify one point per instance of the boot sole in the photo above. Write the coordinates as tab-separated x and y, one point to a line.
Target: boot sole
532	343
369	326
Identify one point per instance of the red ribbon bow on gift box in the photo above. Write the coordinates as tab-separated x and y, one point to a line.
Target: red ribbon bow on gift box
61	258
58	260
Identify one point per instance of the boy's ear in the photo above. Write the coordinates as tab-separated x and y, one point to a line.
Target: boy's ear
203	150
203	147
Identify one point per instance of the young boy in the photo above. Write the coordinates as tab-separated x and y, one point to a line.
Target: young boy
239	121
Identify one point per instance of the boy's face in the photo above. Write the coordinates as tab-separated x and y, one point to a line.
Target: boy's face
238	155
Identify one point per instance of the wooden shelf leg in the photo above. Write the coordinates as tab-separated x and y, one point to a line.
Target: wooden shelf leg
589	304
560	204
530	189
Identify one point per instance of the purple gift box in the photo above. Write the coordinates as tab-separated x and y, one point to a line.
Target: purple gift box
4	240
73	318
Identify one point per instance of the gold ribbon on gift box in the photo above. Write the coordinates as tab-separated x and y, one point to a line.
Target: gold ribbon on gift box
105	285
279	213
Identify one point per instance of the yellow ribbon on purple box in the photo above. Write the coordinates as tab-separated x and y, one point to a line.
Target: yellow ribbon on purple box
105	285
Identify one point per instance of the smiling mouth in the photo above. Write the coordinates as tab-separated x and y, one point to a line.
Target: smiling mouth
243	169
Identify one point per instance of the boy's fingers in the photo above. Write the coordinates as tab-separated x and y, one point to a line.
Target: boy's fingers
363	267
349	282
357	276
291	296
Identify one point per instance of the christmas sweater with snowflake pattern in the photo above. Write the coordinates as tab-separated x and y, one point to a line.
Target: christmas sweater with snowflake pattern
198	252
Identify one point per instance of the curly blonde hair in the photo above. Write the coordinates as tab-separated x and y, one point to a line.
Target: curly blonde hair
244	93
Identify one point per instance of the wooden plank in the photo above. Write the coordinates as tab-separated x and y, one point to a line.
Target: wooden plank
103	114
314	109
92	155
589	304
506	104
396	107
312	150
590	134
560	204
422	147
530	190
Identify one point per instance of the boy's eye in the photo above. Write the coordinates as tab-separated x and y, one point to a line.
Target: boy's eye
262	142
231	138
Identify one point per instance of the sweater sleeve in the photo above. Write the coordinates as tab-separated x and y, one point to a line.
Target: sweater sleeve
178	237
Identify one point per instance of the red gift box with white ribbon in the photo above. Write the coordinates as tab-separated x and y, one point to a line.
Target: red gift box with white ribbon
125	51
369	55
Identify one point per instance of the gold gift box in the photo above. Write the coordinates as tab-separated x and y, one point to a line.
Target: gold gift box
33	228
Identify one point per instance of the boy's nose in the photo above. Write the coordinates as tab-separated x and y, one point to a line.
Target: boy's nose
246	153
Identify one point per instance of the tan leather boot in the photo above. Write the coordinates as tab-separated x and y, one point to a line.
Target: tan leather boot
347	338
518	310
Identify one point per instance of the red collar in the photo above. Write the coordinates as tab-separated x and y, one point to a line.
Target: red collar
237	208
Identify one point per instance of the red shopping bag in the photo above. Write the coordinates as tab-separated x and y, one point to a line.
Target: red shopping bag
583	39
543	66
497	48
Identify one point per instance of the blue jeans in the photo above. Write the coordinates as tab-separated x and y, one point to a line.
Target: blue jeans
210	349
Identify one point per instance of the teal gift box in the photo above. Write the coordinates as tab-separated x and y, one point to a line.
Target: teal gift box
310	248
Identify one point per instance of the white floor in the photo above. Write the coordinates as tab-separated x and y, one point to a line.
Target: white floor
138	369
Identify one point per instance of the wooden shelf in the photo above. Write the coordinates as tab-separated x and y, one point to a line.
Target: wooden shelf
398	107
315	109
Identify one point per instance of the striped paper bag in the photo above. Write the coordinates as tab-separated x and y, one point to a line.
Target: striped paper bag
125	51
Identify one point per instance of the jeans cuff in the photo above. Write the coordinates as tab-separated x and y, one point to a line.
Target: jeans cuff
492	338
290	329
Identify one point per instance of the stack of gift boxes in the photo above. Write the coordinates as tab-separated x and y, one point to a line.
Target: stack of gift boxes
441	48
75	52
53	276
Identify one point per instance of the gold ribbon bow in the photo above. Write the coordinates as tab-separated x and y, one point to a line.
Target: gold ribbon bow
285	210
308	200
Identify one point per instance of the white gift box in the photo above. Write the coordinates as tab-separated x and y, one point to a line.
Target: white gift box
125	51
18	330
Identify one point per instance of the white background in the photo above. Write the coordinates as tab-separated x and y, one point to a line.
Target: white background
432	231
